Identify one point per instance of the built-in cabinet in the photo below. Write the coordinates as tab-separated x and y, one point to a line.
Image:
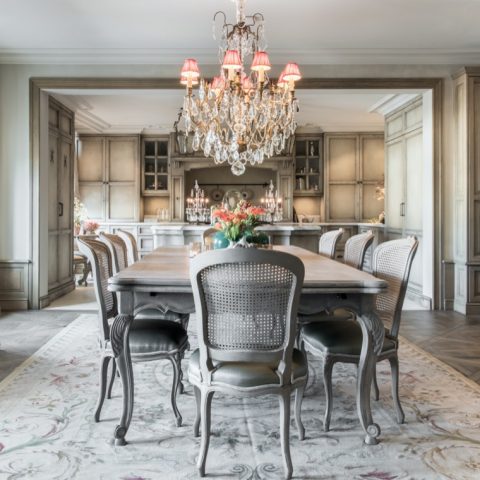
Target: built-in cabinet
108	177
405	187
354	169
60	206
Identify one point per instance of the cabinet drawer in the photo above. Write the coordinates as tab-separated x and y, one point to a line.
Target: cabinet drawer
145	243
144	230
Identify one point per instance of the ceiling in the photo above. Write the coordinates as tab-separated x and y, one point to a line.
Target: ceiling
310	31
154	111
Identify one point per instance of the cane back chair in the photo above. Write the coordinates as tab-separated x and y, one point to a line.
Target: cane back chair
131	244
149	339
328	243
355	249
246	303
340	340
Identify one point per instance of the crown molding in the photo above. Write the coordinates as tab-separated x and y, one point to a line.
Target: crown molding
391	102
175	56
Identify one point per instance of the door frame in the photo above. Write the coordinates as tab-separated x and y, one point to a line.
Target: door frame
38	85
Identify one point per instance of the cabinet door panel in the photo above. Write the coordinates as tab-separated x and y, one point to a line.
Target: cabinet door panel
414	174
394	189
122	160
52	260
92	197
121	201
52	182
65	257
65	184
342	159
90	158
373	158
177	198
342	202
286	191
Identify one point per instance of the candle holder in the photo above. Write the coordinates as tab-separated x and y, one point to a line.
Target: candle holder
272	204
197	210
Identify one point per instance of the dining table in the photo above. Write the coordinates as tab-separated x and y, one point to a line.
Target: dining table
161	281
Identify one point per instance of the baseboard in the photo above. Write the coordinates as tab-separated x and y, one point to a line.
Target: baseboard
418	298
57	292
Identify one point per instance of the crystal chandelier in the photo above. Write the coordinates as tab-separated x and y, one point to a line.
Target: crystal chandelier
197	210
240	118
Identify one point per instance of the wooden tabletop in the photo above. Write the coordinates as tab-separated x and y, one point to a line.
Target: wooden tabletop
168	269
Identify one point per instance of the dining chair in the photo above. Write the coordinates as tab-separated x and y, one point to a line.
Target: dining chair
118	250
356	247
151	311
131	244
328	243
149	339
246	304
340	340
355	250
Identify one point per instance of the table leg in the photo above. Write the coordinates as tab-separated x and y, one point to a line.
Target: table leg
121	349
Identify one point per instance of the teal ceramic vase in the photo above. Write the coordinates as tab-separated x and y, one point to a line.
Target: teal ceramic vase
219	241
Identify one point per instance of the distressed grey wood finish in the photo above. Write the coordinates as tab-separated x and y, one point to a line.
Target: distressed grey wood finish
163	278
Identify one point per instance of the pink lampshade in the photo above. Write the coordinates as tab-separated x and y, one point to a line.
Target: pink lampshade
232	60
261	62
292	72
190	69
184	80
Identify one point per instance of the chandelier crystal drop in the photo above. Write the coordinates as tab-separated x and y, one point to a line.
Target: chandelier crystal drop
240	118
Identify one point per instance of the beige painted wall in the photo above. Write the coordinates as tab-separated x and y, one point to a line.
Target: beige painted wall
15	182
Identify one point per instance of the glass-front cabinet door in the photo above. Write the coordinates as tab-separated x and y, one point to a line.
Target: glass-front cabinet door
155	164
308	166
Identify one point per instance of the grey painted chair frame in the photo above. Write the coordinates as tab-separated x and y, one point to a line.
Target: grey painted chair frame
383	260
280	356
99	255
328	243
131	244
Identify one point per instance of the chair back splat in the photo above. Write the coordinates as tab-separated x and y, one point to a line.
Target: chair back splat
118	249
131	244
356	247
328	242
392	262
246	302
99	256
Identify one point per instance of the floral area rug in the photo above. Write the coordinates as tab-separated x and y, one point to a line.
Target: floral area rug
47	430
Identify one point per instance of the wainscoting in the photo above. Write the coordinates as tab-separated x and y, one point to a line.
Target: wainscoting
14	284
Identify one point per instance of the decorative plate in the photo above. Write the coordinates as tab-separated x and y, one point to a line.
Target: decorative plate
216	195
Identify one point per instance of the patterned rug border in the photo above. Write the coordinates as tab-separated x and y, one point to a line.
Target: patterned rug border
75	323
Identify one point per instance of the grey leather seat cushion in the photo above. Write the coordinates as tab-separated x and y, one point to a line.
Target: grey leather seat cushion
339	337
246	374
324	316
154	335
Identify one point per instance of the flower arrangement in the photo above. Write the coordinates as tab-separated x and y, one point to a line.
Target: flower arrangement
91	226
235	224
